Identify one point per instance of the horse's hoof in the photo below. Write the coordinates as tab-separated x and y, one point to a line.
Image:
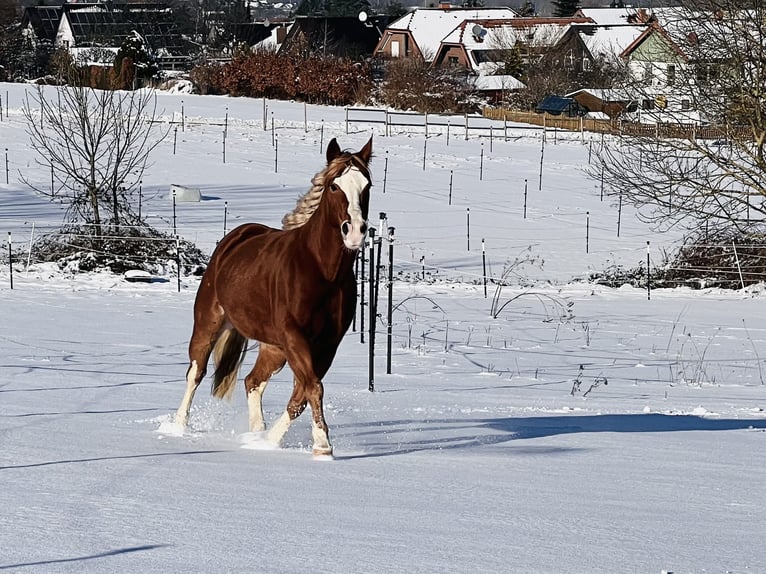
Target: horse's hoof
257	441
322	454
172	428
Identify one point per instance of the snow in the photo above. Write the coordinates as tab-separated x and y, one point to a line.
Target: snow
584	429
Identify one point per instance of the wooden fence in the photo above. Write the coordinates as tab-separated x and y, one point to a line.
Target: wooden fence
618	127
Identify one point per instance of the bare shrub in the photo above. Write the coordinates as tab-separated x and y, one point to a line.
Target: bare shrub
410	84
310	78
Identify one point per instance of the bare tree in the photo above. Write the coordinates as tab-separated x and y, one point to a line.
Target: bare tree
712	78
97	146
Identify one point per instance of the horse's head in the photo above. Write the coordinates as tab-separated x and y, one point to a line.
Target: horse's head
348	191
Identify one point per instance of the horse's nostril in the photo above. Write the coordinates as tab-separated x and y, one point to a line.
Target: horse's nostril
363	228
344	228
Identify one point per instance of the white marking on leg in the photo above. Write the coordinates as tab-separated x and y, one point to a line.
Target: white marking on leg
278	430
322	446
255	409
182	414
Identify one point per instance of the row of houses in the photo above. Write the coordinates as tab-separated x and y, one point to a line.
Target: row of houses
636	40
475	40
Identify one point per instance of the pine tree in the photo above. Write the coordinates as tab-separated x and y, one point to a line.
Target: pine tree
565	8
526	9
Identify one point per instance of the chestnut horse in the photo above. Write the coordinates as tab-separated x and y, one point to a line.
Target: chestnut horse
293	290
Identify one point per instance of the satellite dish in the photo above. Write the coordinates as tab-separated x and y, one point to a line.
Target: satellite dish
478	32
363	16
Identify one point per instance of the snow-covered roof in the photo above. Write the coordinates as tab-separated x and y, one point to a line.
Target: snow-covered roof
611	40
605	95
608	16
429	26
532	32
504	82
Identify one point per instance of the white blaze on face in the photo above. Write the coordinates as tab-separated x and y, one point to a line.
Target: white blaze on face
353	183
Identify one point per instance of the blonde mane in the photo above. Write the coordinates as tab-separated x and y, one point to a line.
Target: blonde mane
308	203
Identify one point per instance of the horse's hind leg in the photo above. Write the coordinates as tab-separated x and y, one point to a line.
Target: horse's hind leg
270	361
208	325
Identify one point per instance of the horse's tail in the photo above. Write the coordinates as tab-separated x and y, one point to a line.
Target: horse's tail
228	353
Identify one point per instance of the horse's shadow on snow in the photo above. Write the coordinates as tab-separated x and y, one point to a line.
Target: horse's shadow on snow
400	437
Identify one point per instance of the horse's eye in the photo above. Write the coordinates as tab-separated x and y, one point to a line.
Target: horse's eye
333	187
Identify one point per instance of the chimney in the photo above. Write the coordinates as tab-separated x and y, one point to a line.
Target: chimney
445	6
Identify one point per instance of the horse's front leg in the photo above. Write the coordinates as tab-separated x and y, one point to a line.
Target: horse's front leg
308	389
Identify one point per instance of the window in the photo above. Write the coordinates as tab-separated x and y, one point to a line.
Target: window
453	61
587	65
686	104
395	49
671	74
648	104
648	73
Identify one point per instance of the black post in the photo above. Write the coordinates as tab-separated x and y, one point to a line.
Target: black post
175	232
484	266
140	198
356	274
361	297
225	214
321	137
619	213
51	179
542	156
525	198
378	266
10	258
468	228
276	154
602	182
373	312
390	298
385	172
226	123
273	133
481	163
450	188
175	139
178	260
425	145
587	231
7	171
648	275
223	145
183	116
448	125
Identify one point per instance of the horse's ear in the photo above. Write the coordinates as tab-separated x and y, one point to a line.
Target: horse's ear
366	152
333	150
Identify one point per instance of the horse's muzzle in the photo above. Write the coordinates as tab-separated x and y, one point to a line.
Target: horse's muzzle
354	234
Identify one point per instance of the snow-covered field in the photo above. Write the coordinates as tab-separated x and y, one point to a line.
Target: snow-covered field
584	429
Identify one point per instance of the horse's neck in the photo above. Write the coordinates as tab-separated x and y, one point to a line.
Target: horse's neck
323	241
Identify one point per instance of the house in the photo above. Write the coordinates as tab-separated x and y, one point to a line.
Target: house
584	47
88	29
606	103
482	48
334	35
40	24
420	33
480	45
